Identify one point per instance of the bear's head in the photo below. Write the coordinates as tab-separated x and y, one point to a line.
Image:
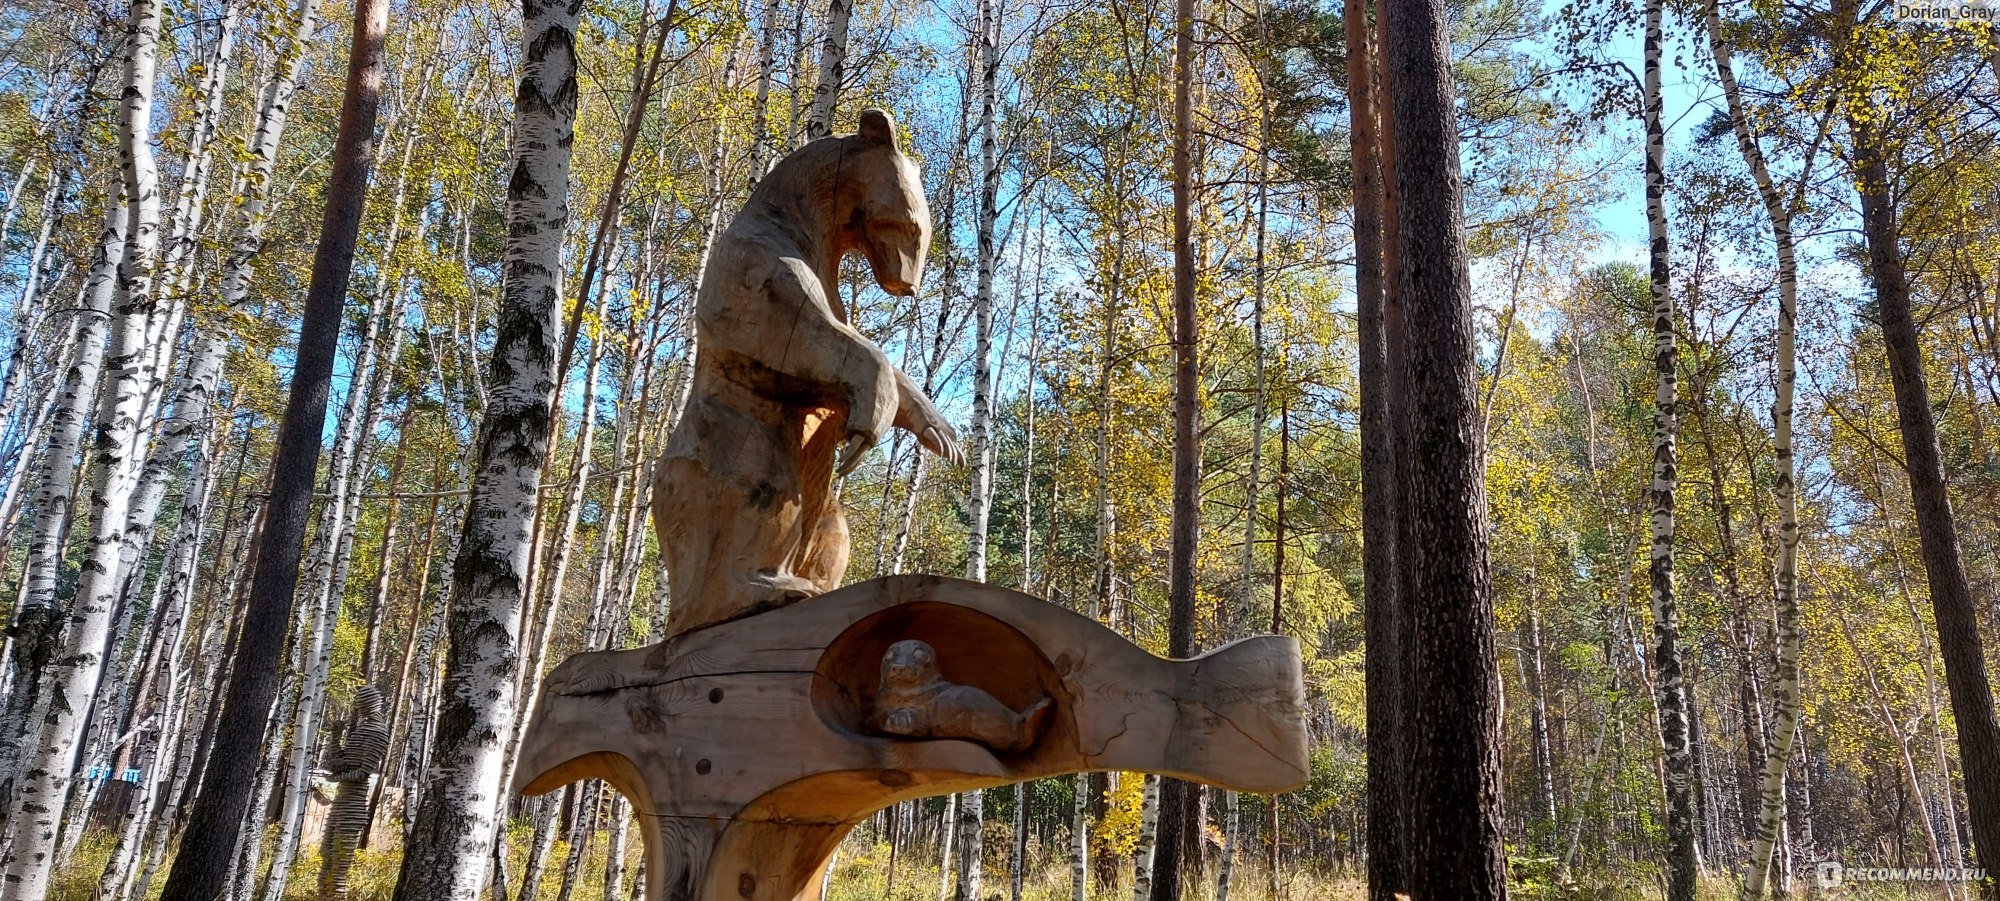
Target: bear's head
890	222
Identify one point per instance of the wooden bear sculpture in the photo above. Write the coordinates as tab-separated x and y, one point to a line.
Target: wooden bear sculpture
757	731
742	499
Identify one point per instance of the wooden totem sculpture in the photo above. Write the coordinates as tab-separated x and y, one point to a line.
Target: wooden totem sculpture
760	730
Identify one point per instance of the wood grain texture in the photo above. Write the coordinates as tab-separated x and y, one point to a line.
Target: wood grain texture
746	750
742	497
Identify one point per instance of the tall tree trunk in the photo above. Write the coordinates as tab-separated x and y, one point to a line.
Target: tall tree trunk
1455	820
762	145
451	841
1178	799
37	628
1378	475
972	807
203	862
1271	837
330	551
1683	856
156	720
1530	655
948	839
71	683
1079	838
1148	849
1787	702
832	70
1937	532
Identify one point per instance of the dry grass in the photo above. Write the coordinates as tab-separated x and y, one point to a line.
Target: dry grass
861	874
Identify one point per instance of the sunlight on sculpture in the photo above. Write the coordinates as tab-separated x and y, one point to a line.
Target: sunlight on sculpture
762	729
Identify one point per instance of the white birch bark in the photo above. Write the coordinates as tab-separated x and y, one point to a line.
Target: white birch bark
1149	833
988	60
73	681
972	807
762	145
178	256
451	844
1683	860
34	433
30	319
1232	829
21	180
948	837
971	851
832	69
556	565
614	854
1785	690
173	599
253	198
37	628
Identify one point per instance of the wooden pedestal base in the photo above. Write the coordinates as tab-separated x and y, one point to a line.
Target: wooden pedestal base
749	748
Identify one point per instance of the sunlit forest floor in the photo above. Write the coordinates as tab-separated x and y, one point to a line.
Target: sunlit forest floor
861	874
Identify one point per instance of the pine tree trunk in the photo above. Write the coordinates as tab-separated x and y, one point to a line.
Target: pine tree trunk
201	866
327	580
1378	489
451	842
1455	833
1937	532
1178	799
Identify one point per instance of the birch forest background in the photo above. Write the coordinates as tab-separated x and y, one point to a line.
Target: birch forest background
1718	604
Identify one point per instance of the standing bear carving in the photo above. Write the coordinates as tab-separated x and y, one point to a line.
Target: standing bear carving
742	497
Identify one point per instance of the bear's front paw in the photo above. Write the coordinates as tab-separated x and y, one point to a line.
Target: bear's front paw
900	722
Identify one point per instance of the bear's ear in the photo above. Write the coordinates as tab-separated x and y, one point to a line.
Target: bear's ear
878	128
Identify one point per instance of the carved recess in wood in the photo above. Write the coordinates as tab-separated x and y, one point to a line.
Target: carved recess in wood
745	750
935	671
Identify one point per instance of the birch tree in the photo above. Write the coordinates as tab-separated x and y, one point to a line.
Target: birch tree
450	842
832	70
37	625
72	682
1785	694
1683	856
